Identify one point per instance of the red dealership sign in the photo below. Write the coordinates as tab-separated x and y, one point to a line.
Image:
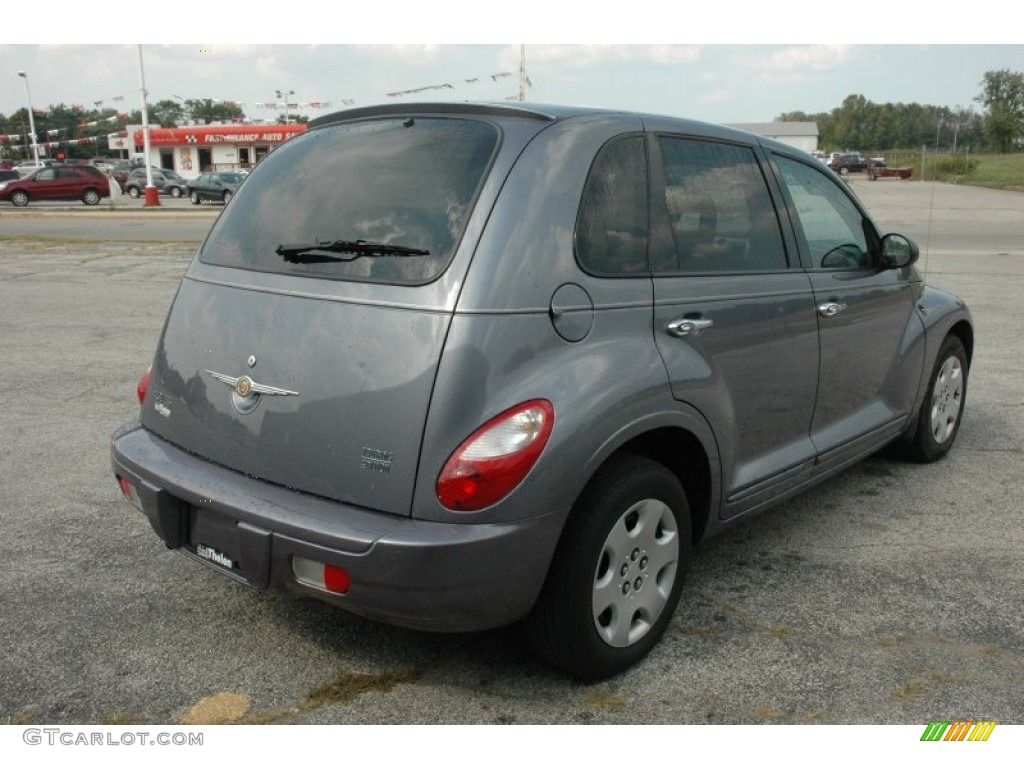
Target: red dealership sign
219	134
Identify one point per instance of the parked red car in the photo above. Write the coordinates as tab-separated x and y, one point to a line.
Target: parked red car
63	182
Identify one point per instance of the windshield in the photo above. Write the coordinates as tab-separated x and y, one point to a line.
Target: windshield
404	182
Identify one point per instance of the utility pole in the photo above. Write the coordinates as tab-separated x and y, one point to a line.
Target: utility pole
522	72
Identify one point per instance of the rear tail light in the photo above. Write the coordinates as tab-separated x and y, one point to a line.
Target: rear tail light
492	461
143	385
329	578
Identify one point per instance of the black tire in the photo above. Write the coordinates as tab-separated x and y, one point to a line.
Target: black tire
938	421
617	573
175	192
194	197
19	198
91	197
227	197
134	193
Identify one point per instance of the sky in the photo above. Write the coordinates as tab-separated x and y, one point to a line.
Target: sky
732	78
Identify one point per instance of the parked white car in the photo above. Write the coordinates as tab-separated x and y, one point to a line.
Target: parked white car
26	167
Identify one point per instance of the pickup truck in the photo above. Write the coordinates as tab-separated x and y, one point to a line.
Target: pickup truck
877	169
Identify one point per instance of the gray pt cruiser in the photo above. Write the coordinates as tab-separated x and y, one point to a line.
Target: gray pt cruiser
451	366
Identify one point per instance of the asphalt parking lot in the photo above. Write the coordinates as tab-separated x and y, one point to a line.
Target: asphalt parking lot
892	594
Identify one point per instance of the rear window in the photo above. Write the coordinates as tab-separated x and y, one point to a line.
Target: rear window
405	182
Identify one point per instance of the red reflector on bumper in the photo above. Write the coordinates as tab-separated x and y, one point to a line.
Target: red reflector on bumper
336	579
313	573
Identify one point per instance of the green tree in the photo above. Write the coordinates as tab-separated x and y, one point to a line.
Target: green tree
166	113
1003	96
210	111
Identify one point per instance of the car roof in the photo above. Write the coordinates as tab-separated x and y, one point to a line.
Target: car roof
542	112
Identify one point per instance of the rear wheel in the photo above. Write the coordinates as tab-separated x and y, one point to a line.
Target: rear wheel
938	421
194	197
175	192
617	573
19	198
134	193
91	197
227	198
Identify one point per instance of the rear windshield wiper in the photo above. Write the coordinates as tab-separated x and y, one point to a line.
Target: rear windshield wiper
318	253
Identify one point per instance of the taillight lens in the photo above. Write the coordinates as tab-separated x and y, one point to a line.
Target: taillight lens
495	459
143	385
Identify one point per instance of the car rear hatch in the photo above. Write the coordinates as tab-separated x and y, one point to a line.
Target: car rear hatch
303	342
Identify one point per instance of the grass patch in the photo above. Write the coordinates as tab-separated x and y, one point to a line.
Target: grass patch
993	171
604	699
30	715
222	708
124	718
350	685
912	689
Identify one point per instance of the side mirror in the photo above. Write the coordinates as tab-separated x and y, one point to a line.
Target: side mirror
899	251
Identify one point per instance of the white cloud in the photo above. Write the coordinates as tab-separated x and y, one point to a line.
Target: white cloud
800	58
591	55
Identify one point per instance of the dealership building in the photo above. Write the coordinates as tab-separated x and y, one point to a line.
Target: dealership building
196	149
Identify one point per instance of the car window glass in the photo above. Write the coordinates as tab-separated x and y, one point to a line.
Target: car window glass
611	234
395	181
833	227
47	174
719	209
66	173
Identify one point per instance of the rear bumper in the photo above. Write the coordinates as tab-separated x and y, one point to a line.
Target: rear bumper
425	575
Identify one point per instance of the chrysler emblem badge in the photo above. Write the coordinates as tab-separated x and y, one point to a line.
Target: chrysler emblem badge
246	393
243	386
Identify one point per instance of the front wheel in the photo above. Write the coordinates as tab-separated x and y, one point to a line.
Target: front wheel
938	421
617	573
227	198
134	193
194	197
19	198
175	192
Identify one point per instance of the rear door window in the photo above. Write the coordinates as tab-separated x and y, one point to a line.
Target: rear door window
719	209
382	200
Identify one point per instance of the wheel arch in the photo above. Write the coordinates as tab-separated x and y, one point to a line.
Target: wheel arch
685	455
965	332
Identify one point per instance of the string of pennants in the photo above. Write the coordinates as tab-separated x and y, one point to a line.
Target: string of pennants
275	105
394	94
16	137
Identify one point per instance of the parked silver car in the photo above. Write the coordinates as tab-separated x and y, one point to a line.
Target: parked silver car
216	187
454	366
166	181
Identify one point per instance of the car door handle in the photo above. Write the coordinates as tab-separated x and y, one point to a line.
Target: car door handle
830	308
688	326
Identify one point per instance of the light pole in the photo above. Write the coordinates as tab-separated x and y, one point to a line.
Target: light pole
285	95
152	193
31	119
